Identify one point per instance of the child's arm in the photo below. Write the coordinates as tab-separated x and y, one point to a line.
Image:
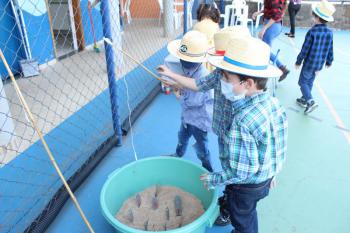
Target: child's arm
183	81
305	49
330	56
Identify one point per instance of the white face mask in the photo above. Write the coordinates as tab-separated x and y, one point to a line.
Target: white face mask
227	91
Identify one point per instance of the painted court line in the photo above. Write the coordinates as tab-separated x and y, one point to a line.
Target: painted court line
333	111
340	123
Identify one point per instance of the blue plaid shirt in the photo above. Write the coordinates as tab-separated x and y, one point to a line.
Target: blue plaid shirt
255	146
317	48
223	111
197	107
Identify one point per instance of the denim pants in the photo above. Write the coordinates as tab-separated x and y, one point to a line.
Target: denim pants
293	10
242	201
201	145
269	36
306	81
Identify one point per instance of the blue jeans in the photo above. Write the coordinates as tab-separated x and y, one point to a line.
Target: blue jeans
306	81
201	145
270	35
242	201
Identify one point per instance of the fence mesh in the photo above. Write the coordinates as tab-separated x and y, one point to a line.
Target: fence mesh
49	45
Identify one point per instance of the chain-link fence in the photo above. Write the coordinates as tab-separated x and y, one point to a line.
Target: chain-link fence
72	83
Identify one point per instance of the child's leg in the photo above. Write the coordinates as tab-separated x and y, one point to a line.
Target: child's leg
270	35
306	80
201	147
183	137
242	201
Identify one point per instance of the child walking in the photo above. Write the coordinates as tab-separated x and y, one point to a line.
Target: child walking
197	107
317	50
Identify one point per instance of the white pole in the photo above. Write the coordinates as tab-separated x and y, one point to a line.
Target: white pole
168	23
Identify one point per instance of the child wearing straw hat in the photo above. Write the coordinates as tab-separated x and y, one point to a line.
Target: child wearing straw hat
317	50
222	37
254	141
208	17
197	107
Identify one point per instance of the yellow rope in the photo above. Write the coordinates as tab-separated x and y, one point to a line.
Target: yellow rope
52	159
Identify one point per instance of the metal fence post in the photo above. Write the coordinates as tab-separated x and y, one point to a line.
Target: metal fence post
185	16
110	61
168	15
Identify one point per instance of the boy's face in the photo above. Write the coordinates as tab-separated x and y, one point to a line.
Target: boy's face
239	86
247	87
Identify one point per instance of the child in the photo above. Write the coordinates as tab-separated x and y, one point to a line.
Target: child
196	116
208	17
208	11
253	142
317	50
273	14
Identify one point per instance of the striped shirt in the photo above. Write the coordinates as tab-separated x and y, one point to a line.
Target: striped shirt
223	111
317	48
255	146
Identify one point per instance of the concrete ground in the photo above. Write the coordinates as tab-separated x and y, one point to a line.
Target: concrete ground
312	190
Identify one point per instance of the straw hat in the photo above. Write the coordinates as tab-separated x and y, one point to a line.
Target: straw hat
247	56
208	27
222	38
192	47
324	10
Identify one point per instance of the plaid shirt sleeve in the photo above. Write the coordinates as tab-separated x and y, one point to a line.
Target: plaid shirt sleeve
330	56
208	82
241	155
305	49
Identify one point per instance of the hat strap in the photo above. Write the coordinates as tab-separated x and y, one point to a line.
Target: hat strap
220	52
192	54
320	13
244	65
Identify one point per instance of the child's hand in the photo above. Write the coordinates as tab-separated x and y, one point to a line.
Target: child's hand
165	71
261	33
204	178
255	14
297	66
316	73
167	81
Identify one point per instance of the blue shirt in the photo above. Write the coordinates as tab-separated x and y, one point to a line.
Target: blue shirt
255	145
197	107
317	48
223	111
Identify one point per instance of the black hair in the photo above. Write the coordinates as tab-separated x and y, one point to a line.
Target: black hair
321	20
260	82
208	11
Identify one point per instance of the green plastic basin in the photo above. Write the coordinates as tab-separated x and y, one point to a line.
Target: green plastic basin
137	176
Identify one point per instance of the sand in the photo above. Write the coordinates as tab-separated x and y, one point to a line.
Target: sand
156	219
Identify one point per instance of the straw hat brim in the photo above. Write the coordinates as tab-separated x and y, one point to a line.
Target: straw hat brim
325	17
173	48
270	72
212	52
